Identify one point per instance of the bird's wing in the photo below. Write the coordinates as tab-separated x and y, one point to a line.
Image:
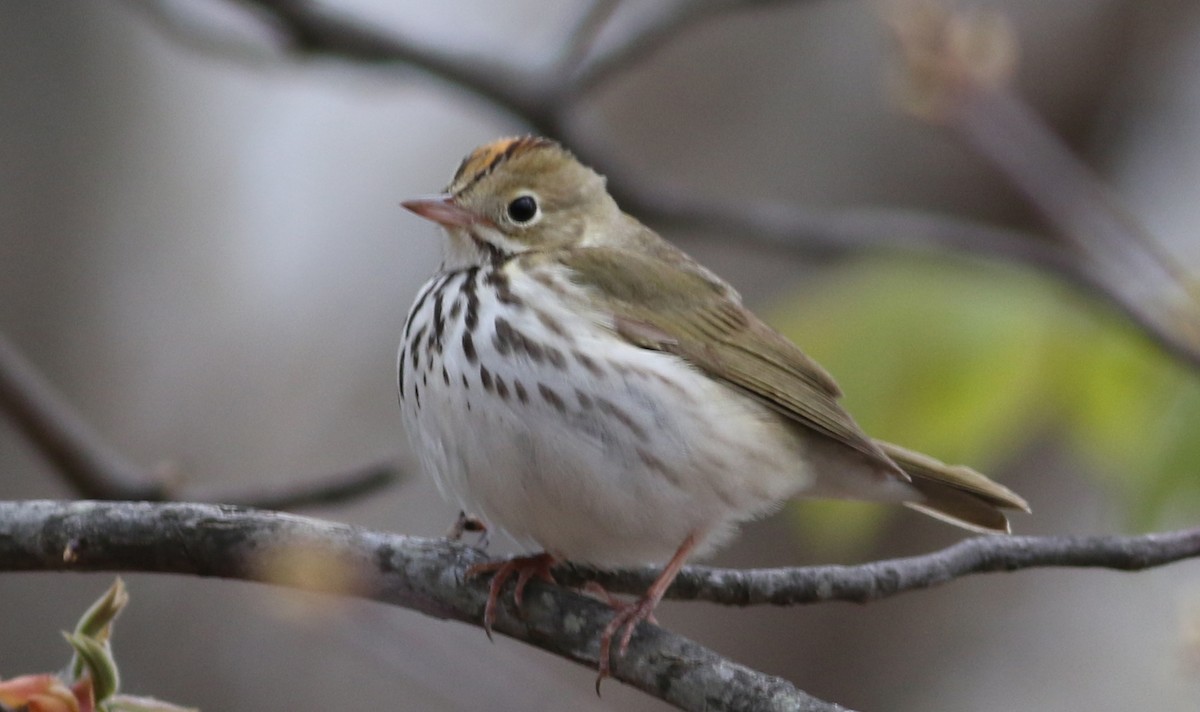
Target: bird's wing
678	309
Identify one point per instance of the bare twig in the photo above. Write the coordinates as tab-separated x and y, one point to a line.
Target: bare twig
1110	247
583	37
543	102
654	32
95	469
317	30
958	66
1175	328
334	488
420	574
85	460
789	227
881	579
778	225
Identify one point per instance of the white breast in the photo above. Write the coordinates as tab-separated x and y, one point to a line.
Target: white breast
541	420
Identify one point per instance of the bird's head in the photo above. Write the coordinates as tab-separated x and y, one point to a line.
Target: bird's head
518	195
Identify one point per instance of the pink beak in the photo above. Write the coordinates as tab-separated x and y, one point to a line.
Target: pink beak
443	210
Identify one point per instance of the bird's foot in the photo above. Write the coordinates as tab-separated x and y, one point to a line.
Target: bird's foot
624	621
525	567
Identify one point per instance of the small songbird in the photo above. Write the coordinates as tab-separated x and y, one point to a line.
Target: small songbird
587	387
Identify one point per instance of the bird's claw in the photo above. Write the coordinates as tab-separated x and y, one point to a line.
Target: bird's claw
625	619
525	567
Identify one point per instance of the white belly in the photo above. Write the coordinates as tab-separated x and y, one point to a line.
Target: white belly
595	450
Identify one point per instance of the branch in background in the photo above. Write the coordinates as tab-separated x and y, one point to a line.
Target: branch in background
311	28
655	31
96	470
81	456
420	574
958	68
582	39
782	226
643	40
956	61
334	488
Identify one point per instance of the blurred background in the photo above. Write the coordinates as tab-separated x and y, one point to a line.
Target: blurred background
201	246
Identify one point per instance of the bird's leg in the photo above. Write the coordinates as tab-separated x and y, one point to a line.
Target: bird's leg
628	615
469	523
525	567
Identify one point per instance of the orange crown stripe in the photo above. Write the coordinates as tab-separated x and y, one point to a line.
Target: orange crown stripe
484	159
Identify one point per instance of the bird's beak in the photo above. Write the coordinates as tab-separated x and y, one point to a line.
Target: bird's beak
443	210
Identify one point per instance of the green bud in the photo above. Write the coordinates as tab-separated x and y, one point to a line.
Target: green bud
96	622
96	660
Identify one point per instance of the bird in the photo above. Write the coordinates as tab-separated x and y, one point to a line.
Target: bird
590	389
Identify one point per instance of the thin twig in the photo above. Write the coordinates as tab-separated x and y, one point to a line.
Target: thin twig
317	30
420	574
92	466
882	579
1109	245
1173	327
789	227
95	469
335	488
581	40
654	33
958	71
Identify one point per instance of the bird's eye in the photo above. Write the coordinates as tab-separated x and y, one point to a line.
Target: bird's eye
523	209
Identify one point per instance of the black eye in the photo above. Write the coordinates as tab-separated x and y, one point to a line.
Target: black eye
523	209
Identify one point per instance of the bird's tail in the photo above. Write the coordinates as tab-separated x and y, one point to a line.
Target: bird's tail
955	493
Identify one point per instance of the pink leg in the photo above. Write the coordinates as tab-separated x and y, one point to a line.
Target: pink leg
628	615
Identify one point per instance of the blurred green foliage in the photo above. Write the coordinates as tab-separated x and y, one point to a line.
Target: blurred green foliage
972	362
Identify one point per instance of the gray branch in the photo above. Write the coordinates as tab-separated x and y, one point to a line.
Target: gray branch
882	579
421	574
544	100
652	34
427	575
94	468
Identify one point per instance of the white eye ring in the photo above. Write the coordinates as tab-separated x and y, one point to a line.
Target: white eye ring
523	210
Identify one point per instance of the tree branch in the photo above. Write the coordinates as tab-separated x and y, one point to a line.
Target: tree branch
95	469
544	99
651	35
427	576
421	574
581	39
314	29
334	488
881	579
958	69
81	456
